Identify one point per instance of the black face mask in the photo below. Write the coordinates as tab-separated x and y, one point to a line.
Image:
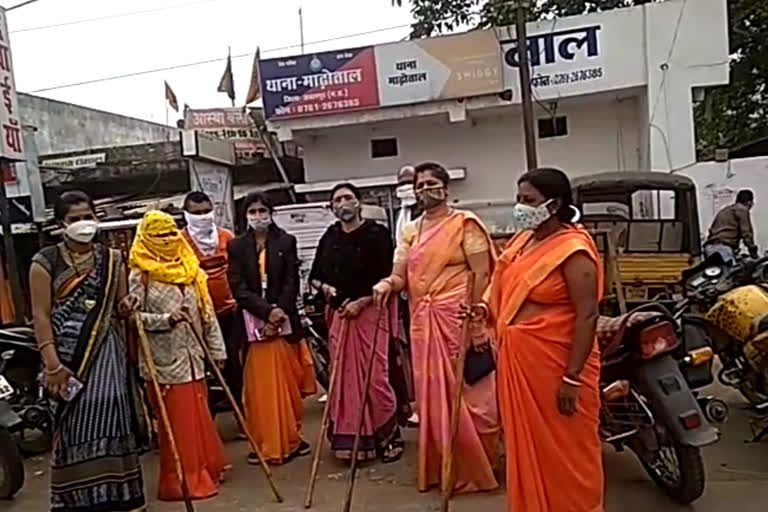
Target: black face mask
431	198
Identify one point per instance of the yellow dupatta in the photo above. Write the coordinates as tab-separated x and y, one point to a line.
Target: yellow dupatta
161	251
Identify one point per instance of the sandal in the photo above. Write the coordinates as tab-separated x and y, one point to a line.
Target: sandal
393	452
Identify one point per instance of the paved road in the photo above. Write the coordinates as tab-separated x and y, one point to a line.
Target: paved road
737	480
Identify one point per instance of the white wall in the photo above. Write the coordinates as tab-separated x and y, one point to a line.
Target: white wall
604	135
686	46
717	184
64	127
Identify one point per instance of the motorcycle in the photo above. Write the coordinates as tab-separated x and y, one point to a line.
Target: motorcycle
311	310
646	404
726	309
29	401
11	465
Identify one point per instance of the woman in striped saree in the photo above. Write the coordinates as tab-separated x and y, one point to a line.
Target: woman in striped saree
75	286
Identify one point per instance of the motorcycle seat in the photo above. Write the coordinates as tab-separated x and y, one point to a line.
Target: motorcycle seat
610	329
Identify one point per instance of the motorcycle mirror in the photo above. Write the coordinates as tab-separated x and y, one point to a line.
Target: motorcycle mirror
712	272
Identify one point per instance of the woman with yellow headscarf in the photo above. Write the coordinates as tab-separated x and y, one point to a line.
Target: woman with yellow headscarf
169	289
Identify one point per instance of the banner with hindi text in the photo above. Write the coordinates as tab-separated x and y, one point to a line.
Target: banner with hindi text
319	83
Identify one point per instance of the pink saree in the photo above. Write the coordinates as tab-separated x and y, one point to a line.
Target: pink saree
380	427
436	289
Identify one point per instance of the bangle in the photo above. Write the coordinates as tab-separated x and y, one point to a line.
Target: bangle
571	382
55	370
44	344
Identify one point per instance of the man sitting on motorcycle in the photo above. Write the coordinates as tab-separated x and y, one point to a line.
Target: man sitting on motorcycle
732	225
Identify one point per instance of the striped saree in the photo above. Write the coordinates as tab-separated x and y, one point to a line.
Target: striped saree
95	460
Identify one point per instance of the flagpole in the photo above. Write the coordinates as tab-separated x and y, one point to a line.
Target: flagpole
301	28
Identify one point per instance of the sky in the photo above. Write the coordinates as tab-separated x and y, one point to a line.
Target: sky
177	32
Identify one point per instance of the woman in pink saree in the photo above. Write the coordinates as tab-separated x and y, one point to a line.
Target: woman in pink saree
352	256
433	263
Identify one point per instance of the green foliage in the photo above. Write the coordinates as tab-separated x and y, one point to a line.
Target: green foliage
730	116
734	115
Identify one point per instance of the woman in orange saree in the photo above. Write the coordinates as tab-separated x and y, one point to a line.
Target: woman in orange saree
543	304
433	262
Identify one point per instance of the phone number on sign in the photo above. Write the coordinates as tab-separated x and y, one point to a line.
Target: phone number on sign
582	75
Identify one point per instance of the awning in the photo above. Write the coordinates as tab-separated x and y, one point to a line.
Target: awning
389	180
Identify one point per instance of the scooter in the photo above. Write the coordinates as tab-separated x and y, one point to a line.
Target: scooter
647	405
11	465
29	401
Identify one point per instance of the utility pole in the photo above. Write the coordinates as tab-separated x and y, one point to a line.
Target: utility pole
301	28
525	85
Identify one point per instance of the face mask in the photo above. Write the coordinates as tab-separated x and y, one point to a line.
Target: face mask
202	230
258	223
406	195
82	231
432	197
530	217
200	223
347	213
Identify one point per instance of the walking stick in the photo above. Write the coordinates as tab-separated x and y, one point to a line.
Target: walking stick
238	412
448	476
361	420
326	413
146	351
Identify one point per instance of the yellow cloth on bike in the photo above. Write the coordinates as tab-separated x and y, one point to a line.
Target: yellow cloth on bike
738	312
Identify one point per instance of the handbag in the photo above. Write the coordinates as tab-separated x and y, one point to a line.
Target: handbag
478	365
254	328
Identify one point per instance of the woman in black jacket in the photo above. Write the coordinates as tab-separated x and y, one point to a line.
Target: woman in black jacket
264	277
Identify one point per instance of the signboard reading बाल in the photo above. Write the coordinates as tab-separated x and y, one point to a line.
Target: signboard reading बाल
319	83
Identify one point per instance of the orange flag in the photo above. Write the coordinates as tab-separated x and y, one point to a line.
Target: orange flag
254	90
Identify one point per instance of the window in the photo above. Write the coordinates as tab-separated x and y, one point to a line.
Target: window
383	148
553	127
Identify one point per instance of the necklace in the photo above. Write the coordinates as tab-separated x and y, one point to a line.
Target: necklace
82	258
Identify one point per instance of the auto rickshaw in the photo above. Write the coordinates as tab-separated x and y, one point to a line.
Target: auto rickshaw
654	222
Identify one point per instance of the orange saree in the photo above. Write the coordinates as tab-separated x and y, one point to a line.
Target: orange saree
437	276
554	462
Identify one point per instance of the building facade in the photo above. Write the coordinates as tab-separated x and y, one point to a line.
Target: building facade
613	91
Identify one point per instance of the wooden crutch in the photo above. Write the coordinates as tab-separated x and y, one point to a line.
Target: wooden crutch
236	408
448	473
343	330
146	351
361	420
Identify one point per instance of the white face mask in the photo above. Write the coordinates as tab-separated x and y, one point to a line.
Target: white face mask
406	195
530	217
82	231
258	223
202	230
